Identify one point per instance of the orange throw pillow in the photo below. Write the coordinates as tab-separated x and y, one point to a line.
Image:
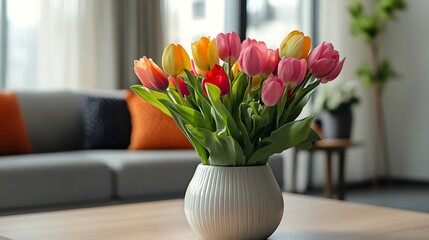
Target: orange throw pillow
151	128
13	136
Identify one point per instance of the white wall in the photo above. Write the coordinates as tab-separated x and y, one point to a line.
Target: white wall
334	27
406	101
406	44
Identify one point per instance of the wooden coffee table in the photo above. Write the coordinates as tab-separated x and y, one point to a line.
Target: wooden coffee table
304	218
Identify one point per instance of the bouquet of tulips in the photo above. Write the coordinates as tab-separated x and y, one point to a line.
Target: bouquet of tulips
241	110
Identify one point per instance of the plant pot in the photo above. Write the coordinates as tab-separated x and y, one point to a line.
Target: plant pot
233	202
337	124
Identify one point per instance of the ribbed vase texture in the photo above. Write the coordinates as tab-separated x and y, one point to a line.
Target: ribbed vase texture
234	202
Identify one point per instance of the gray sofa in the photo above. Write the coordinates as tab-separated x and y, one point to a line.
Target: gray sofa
61	173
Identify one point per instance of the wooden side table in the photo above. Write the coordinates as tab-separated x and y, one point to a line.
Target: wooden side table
329	146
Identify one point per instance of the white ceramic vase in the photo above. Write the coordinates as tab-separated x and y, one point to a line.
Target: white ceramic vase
234	202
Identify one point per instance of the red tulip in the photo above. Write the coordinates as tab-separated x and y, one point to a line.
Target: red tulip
182	85
217	76
150	75
324	62
272	91
292	71
253	57
228	46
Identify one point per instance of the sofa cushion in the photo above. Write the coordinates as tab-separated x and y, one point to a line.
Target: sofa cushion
151	128
157	174
149	174
13	135
52	178
106	122
53	120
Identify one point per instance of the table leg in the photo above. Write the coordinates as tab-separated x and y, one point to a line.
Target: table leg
341	169
328	174
294	169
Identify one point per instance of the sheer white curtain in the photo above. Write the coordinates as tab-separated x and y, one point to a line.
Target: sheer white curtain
77	46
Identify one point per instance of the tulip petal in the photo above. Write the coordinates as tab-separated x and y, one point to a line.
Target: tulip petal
217	77
253	60
322	67
144	79
272	91
315	55
334	73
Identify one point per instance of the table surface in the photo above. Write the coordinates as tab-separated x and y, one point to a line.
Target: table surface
304	218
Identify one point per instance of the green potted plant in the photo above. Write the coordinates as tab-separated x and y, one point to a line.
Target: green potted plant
377	72
334	105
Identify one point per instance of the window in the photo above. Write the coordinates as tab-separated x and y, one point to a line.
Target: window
267	20
271	20
68	34
20	35
186	21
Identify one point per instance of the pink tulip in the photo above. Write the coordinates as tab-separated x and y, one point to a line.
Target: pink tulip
324	62
182	85
292	71
272	62
272	91
229	47
150	75
247	42
334	73
253	57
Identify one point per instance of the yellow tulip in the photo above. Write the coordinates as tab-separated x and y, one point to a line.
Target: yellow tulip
236	68
175	60
205	54
295	45
256	82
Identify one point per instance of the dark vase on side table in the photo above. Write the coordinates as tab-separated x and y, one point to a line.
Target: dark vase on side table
337	124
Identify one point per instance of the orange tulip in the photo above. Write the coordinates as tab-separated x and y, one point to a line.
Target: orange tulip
295	45
150	75
205	54
175	60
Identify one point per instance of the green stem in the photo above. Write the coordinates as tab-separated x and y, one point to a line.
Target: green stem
249	87
176	81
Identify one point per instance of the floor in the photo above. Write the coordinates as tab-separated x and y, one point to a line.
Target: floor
402	195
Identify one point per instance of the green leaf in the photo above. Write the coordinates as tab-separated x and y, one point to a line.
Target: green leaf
260	119
214	97
248	145
239	88
220	124
201	151
306	144
194	83
174	95
189	115
246	115
356	9
152	97
280	107
289	135
365	74
297	103
224	150
385	72
200	98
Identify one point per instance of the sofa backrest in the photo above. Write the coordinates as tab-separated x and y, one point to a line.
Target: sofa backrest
53	120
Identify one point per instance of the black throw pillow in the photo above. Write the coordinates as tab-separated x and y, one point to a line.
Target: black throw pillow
106	123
